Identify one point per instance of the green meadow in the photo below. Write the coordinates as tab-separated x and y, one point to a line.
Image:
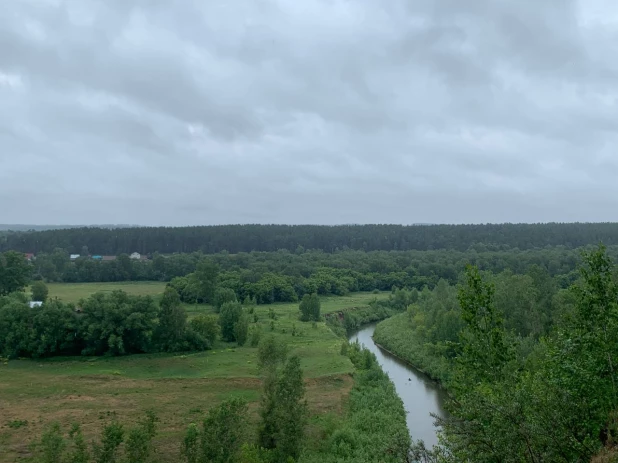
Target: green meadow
180	388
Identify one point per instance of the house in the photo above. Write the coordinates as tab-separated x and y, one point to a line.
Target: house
74	256
108	258
136	256
34	304
29	256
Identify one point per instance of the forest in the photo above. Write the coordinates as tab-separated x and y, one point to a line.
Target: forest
246	238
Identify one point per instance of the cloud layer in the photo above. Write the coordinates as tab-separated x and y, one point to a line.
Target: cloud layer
312	111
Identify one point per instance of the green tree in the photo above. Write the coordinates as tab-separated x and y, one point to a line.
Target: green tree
271	353
223	295
291	410
231	313
204	279
241	329
310	308
52	444
170	333
138	447
79	451
14	272
223	432
206	326
118	323
107	451
39	291
190	450
485	347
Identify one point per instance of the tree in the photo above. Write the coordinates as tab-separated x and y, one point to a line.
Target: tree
170	332
79	452
14	272
283	410
204	279
223	431
207	326
271	353
241	329
39	291
138	447
228	318
52	444
310	308
291	410
223	295
118	323
107	450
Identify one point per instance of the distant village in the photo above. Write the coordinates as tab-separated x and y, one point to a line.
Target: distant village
73	257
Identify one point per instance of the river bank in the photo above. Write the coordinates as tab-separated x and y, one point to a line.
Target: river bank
421	396
393	335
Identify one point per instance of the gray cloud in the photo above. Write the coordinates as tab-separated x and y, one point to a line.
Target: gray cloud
156	112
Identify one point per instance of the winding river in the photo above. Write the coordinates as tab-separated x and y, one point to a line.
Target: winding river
420	395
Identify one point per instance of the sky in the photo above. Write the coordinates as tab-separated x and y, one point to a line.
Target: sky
195	112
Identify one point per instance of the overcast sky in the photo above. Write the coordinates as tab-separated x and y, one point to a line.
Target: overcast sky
308	111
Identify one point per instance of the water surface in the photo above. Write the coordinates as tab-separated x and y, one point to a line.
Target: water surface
421	396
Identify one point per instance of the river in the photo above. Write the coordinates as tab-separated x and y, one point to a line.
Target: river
420	395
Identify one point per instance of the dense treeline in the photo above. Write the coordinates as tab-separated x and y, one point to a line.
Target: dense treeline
247	238
529	367
285	276
104	324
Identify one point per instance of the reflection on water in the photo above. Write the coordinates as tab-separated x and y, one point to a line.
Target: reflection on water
420	395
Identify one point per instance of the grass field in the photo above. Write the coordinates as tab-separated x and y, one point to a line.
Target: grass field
73	292
180	388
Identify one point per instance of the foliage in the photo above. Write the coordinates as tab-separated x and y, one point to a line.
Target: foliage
231	313
241	330
272	352
52	444
190	449
206	326
14	272
107	451
271	238
79	450
556	405
170	333
291	411
283	410
374	428
223	295
310	308
138	446
117	323
223	431
204	280
39	291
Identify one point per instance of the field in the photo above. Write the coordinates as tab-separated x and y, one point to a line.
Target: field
180	388
73	292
